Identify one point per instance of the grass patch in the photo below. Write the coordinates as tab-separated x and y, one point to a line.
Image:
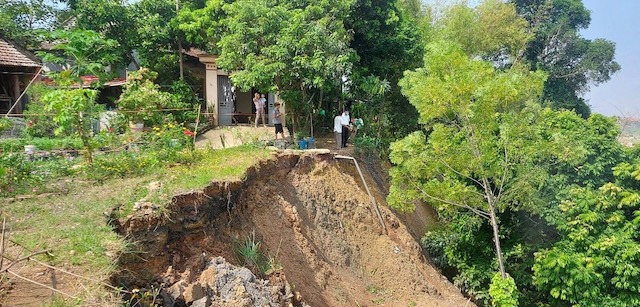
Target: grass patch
74	226
248	251
224	164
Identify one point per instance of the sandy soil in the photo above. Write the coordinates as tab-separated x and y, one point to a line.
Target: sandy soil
312	215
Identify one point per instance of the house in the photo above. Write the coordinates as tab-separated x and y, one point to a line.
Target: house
17	68
227	104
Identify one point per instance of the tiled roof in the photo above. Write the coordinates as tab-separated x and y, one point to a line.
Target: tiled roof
11	55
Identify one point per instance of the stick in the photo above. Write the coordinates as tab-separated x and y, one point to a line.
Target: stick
4	222
22	259
42	285
23	92
195	130
80	276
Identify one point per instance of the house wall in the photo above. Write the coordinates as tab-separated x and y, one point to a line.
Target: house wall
244	102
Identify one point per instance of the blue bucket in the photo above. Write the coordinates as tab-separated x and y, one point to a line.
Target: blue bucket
311	143
302	144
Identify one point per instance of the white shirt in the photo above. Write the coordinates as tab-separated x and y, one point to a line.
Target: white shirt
345	119
337	124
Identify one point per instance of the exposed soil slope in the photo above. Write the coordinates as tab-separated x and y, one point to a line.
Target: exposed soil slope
311	213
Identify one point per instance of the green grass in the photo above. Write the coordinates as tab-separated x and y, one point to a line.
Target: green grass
73	227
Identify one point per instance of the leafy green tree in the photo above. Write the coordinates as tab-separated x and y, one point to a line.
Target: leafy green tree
487	150
141	98
82	51
291	47
21	20
75	111
115	20
387	41
596	261
572	62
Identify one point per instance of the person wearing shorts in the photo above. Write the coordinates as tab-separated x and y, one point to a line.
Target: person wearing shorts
277	120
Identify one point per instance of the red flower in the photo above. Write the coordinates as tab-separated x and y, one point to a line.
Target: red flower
30	124
188	132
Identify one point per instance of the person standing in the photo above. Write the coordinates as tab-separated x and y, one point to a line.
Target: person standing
345	121
259	104
337	130
277	120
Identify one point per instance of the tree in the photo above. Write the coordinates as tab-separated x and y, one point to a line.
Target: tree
83	52
572	62
596	263
291	47
20	20
487	147
387	41
113	19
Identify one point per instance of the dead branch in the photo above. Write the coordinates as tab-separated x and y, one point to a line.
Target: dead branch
42	285
14	262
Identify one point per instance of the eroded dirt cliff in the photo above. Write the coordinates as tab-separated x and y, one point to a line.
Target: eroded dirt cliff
311	214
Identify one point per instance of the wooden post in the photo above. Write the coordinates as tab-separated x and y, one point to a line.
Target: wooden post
15	88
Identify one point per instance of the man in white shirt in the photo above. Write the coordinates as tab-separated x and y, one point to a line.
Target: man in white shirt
345	121
337	130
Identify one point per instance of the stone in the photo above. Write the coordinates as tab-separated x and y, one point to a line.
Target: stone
203	302
176	290
193	292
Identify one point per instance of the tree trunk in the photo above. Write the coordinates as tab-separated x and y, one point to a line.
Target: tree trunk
179	45
496	238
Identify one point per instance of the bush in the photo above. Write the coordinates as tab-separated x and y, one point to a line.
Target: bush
48	144
5	124
37	123
366	148
503	291
16	173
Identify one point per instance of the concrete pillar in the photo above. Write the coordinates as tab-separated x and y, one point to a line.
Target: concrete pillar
211	89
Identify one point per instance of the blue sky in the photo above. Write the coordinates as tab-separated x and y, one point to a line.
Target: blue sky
617	21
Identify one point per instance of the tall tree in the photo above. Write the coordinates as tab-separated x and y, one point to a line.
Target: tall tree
291	47
20	20
572	62
387	42
596	263
112	18
487	147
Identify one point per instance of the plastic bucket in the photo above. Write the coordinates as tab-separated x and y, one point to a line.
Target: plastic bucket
30	149
302	144
311	143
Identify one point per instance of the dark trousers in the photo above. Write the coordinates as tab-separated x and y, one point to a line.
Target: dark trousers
345	136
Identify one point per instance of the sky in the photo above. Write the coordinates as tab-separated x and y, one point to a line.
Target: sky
617	21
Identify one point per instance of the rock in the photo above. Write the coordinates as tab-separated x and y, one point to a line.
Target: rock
193	292
246	275
203	302
176	290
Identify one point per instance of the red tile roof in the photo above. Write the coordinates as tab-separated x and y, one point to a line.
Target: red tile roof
12	55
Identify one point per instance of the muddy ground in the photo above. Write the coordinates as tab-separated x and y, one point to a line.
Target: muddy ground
312	217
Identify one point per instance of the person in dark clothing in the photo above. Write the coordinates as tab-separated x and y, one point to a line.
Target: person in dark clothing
345	127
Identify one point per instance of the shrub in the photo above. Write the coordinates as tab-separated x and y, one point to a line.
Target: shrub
5	124
38	124
141	98
503	291
16	173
